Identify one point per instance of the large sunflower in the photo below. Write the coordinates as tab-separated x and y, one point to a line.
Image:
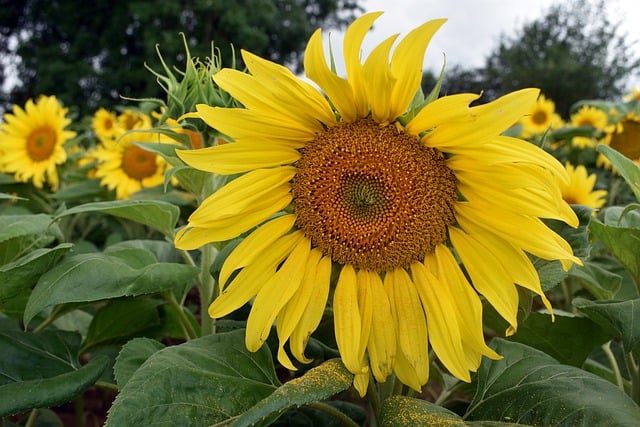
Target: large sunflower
32	141
388	202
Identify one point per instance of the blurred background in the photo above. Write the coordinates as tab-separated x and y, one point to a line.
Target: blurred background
91	54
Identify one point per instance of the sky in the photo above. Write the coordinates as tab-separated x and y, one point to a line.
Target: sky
474	27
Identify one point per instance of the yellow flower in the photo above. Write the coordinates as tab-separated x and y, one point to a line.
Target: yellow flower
130	119
32	140
579	190
345	184
126	167
588	116
625	139
540	118
105	124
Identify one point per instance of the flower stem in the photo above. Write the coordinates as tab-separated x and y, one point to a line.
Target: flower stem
606	348
207	289
338	415
634	374
33	416
187	327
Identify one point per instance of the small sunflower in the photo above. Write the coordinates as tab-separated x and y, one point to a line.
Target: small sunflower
346	185
32	141
131	119
126	167
105	124
541	118
580	189
589	116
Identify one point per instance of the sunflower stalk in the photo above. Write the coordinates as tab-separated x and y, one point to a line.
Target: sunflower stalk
634	374
207	288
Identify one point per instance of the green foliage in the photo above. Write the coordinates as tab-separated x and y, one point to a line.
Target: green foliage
96	51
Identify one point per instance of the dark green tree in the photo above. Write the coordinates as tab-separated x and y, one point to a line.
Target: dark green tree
89	54
575	51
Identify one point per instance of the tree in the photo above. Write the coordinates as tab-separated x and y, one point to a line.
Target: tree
573	52
89	54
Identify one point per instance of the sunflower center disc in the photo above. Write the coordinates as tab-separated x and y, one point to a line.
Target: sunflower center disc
373	196
41	143
138	164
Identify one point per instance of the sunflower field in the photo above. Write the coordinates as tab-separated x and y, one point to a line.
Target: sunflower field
340	249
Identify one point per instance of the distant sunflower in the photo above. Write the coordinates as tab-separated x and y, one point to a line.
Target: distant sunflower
127	168
349	184
580	189
32	141
105	124
588	116
131	119
195	138
541	118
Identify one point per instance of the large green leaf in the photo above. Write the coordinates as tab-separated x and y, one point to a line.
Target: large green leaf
622	317
42	370
20	234
601	283
159	215
317	384
565	339
23	273
98	276
132	356
199	383
628	169
402	411
530	387
620	233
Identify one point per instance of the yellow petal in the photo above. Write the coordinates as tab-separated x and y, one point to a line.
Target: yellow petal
284	92
353	38
411	328
274	294
487	274
248	125
442	322
491	119
406	65
407	373
238	157
252	247
243	194
247	283
382	339
337	89
446	109
379	81
314	311
346	315
366	310
361	383
293	310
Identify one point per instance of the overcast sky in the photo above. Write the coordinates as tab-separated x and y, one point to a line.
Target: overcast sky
474	27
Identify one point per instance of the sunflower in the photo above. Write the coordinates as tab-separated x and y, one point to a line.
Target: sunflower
126	167
105	124
541	118
131	119
351	185
588	116
32	141
580	190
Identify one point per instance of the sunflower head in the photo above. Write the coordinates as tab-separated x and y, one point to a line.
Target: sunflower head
541	118
580	188
344	183
105	124
32	141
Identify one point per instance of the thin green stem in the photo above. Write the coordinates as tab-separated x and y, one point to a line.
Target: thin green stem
373	396
606	348
107	386
634	374
46	322
187	327
33	416
78	408
207	289
338	415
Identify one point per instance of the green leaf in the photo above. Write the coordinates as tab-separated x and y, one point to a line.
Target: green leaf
20	234
119	320
132	356
618	316
42	370
201	382
402	411
628	169
621	235
601	283
159	215
98	276
527	386
23	273
319	383
565	339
